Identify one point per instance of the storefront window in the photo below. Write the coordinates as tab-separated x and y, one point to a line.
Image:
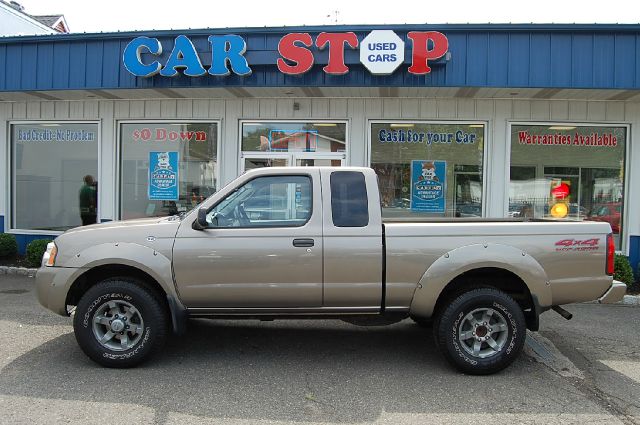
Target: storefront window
54	175
428	169
568	172
166	167
318	137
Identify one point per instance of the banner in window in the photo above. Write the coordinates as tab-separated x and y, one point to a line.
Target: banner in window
163	176
428	182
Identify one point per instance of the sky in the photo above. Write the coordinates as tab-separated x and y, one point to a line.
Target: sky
120	15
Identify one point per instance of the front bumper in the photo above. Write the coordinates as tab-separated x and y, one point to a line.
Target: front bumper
52	286
614	294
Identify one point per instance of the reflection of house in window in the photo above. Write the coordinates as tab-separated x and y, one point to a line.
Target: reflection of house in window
300	141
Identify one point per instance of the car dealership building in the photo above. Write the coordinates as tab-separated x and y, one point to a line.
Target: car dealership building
511	120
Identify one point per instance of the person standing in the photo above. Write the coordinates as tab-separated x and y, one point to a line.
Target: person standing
88	201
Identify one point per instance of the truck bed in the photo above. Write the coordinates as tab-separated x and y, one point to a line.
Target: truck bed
570	256
450	219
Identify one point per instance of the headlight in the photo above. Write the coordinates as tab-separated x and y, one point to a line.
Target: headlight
49	257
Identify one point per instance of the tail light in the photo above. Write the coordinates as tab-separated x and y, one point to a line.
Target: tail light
611	250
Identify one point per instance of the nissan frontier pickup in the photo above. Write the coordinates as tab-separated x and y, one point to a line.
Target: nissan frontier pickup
307	242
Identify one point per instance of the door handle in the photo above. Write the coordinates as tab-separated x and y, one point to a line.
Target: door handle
303	243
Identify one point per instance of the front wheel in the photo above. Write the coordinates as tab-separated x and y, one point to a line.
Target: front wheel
481	332
119	323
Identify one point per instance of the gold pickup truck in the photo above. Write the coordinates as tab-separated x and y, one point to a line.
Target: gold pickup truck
291	243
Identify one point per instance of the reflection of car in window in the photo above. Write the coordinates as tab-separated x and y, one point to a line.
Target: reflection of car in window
577	211
609	213
471	209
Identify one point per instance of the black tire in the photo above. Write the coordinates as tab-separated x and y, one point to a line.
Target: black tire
450	336
150	333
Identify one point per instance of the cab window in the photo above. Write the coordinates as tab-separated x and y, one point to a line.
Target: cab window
274	201
349	202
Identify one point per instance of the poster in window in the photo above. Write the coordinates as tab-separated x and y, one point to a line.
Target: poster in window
428	182
163	176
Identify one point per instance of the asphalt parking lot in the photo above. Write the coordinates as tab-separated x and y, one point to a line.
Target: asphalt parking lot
250	372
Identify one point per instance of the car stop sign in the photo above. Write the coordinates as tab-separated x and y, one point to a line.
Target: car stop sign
382	52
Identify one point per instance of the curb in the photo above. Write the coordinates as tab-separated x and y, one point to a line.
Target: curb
626	300
21	271
630	300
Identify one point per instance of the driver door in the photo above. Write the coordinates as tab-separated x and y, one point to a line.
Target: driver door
262	249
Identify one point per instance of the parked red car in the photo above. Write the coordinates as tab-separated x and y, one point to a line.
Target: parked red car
609	212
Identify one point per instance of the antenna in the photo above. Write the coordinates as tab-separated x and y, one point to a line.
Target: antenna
335	14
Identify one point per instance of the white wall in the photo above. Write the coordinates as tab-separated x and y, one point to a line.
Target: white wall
13	22
357	111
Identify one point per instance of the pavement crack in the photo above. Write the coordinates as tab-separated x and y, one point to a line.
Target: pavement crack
588	387
311	396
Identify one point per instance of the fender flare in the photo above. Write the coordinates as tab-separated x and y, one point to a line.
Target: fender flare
470	257
141	257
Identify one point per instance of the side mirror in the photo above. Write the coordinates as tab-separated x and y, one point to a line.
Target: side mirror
201	221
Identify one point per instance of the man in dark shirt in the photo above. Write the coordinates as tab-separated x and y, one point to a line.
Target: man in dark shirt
88	201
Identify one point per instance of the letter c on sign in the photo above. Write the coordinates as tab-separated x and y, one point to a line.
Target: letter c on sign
132	60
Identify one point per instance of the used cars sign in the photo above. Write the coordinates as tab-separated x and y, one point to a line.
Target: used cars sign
382	52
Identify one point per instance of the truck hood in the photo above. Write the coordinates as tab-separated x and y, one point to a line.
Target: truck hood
158	224
146	232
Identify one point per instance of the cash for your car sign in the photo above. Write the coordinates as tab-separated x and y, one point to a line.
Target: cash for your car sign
163	176
428	182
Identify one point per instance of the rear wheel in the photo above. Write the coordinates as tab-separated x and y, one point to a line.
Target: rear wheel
481	332
119	323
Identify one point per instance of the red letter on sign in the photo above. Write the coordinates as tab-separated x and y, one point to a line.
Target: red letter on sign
421	52
336	42
301	56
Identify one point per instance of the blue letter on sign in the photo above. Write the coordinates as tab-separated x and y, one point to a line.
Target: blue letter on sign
183	55
228	48
132	60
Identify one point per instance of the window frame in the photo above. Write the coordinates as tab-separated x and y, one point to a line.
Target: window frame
624	245
118	152
308	176
486	159
9	197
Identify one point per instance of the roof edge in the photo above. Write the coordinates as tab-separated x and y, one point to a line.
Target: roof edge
617	28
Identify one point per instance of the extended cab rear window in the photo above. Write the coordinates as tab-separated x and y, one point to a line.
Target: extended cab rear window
349	203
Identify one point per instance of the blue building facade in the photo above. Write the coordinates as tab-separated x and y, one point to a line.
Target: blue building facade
546	104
